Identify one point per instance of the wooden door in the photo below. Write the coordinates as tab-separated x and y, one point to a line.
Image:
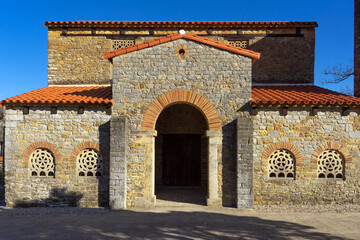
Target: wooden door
181	159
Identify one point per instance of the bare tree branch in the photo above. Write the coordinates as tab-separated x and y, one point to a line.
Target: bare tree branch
337	73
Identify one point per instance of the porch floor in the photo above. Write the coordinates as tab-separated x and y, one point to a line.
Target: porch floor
180	196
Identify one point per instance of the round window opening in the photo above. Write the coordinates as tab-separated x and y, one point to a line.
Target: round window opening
182	51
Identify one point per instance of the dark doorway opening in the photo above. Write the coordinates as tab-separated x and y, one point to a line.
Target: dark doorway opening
180	156
182	160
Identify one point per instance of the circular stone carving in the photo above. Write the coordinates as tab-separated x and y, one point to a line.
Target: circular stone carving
42	162
281	164
90	163
330	164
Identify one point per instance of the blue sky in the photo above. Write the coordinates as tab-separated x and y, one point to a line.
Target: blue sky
23	37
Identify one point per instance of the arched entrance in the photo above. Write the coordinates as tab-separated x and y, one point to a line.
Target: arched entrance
181	155
211	141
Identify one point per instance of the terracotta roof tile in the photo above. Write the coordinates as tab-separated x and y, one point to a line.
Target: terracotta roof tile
98	95
178	24
261	95
296	94
254	55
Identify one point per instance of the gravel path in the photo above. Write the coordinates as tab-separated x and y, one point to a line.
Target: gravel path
334	208
330	208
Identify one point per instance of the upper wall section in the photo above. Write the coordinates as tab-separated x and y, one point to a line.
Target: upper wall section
76	49
77	57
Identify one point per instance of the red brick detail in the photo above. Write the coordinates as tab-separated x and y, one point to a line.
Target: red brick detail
245	52
98	95
181	96
331	146
283	145
42	144
296	94
80	147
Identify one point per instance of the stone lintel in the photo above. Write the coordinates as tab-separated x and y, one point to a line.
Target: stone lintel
144	133
213	133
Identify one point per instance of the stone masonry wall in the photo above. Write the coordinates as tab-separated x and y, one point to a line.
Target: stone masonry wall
62	133
307	133
77	59
77	56
140	77
284	59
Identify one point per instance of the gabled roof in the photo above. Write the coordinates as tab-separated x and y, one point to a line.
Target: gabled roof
261	95
96	95
178	24
248	53
299	94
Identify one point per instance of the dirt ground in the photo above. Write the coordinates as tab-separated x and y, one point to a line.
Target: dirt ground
181	222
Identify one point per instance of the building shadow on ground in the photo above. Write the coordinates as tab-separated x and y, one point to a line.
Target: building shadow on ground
59	197
163	224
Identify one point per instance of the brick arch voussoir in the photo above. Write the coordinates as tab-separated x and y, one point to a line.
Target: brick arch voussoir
42	144
282	145
81	146
331	146
181	96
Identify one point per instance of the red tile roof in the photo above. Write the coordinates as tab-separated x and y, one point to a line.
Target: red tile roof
177	24
254	55
98	95
261	95
292	94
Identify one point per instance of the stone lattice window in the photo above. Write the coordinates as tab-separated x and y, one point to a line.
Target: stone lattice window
117	44
90	163
42	163
281	164
238	43
330	164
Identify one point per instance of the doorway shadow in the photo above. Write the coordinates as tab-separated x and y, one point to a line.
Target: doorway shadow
169	195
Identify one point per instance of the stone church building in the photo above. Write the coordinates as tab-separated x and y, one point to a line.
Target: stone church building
227	110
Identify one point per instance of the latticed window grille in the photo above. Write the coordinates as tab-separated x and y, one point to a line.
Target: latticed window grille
90	163
238	43
281	164
330	164
117	44
42	163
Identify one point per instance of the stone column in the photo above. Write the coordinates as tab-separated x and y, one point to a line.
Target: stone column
148	139
215	142
244	161
117	181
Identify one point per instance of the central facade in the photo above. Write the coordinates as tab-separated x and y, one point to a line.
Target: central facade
171	87
132	108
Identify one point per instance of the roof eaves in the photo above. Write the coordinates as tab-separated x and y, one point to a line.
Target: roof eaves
254	55
188	24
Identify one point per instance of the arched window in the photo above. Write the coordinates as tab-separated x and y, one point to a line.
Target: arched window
281	164
89	163
42	163
330	164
